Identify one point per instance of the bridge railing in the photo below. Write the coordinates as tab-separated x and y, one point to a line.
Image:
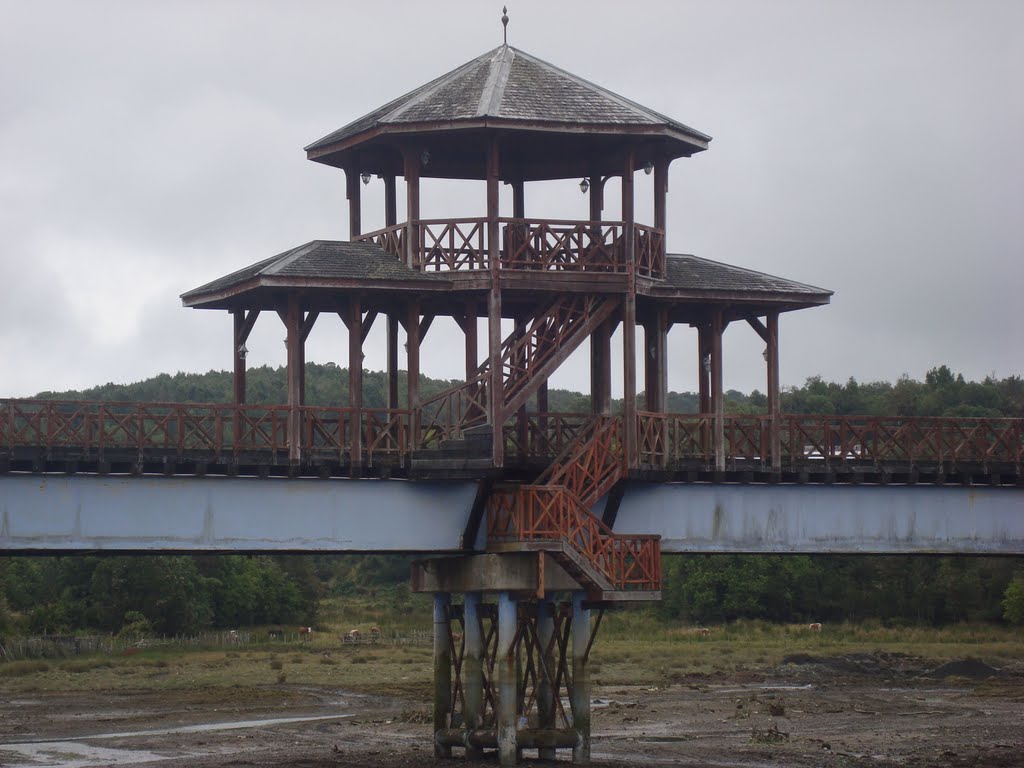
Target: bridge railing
180	429
806	439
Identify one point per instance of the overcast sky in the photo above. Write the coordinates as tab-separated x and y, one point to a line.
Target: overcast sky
872	148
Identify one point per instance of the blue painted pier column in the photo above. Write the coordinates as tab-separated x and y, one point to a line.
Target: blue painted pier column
508	620
472	671
442	673
580	696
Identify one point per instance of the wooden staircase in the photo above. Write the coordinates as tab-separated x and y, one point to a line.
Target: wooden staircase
554	514
529	355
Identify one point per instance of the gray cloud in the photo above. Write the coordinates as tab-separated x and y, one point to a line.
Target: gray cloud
871	148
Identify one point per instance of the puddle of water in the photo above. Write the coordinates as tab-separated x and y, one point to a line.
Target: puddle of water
200	728
71	754
764	687
77	754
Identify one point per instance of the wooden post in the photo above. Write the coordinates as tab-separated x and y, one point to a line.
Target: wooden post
660	193
392	335
412	196
354	195
390	202
596	197
601	369
629	315
412	334
543	407
774	406
355	381
519	199
655	363
293	321
703	369
496	394
717	395
240	335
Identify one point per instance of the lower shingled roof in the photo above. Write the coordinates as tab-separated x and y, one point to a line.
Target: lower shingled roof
692	273
321	260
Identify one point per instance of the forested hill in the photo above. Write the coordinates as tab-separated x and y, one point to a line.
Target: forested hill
941	393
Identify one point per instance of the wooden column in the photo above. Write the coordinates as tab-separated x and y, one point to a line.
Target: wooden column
596	197
354	195
243	323
774	406
703	371
355	381
495	394
390	202
307	321
412	334
519	199
472	344
293	340
543	407
601	369
629	314
412	198
717	396
655	362
660	193
392	335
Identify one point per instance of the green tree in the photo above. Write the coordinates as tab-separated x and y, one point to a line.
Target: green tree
1013	600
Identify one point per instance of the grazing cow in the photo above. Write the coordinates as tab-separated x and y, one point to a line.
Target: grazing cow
815	627
352	636
305	634
374	633
233	637
703	631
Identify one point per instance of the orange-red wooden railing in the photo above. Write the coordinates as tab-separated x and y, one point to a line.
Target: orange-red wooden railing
546	245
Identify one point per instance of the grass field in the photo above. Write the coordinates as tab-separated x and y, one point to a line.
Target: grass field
632	648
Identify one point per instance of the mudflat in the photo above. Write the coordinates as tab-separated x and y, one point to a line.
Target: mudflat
855	709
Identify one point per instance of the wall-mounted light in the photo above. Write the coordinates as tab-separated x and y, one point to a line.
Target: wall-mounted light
707	363
425	158
366	179
765	354
584	185
242	351
648	167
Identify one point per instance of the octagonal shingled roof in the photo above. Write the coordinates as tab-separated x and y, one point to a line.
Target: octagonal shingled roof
508	85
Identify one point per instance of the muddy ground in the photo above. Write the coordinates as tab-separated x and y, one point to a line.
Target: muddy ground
854	710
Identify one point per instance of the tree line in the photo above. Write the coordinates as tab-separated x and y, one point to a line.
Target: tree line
180	594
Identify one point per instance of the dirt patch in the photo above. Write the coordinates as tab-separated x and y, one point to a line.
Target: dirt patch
847	710
970	669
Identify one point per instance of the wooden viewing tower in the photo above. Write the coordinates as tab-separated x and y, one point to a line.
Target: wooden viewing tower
540	554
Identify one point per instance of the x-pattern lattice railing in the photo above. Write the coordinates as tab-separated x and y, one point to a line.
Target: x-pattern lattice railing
665	439
550	245
557	508
88	428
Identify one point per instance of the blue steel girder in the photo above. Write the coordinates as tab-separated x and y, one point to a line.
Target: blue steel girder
817	518
203	514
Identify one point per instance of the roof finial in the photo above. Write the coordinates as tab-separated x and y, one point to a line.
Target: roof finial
504	23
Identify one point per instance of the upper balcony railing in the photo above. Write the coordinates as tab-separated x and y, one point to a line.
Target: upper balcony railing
529	245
